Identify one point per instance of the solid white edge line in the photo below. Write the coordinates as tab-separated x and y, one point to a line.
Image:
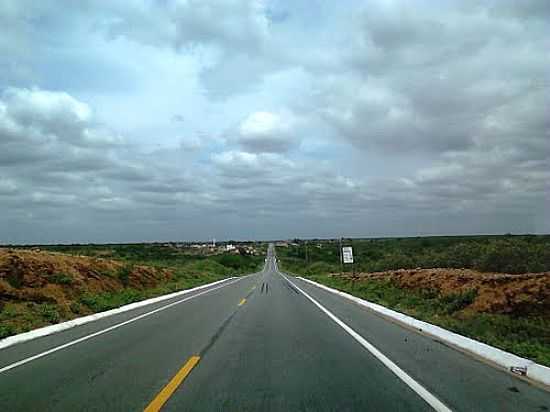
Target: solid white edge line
118	325
435	403
497	357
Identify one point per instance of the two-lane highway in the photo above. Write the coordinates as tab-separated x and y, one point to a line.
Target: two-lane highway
265	342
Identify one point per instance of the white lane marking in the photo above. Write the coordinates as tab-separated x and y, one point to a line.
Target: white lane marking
401	374
110	328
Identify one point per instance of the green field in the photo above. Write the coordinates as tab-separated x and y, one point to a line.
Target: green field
506	254
163	255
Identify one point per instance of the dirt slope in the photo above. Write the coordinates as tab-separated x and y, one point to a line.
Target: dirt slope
37	288
31	275
496	292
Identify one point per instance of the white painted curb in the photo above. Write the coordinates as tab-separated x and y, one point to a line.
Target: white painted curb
48	330
497	356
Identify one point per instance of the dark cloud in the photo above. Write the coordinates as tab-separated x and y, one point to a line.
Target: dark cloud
193	23
434	81
526	9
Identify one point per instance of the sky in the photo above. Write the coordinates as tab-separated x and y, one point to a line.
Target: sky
159	120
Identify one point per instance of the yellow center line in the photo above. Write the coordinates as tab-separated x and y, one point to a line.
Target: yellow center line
242	302
169	389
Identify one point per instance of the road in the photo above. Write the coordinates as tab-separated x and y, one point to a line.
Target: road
264	342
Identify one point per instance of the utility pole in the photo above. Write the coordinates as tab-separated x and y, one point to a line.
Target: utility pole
353	264
307	257
340	253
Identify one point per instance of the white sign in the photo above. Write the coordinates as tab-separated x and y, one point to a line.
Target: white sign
347	254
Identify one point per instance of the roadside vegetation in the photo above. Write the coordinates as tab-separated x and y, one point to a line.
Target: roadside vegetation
517	321
503	254
50	284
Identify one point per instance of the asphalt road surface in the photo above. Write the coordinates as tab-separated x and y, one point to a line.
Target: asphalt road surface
265	342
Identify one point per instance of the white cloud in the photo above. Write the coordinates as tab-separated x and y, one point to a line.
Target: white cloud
27	104
268	132
46	116
7	187
245	164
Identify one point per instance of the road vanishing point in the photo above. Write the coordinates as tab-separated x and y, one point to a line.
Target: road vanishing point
263	342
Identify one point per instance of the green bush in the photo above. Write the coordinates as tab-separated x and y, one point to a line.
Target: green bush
61	279
207	266
457	301
75	307
15	278
462	255
124	274
393	261
109	300
232	261
504	256
49	312
6	330
319	268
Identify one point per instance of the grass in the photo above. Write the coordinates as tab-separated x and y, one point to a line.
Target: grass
61	279
528	337
124	274
100	302
22	317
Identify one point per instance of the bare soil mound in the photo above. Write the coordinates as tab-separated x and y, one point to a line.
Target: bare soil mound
496	292
39	277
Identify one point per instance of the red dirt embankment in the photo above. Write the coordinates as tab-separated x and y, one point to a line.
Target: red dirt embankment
496	292
40	277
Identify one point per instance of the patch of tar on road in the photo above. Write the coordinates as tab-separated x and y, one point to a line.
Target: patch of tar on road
217	334
265	288
223	326
97	375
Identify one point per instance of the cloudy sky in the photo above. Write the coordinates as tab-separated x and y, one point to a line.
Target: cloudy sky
180	120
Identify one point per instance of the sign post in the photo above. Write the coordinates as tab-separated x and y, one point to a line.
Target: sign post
347	257
341	258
